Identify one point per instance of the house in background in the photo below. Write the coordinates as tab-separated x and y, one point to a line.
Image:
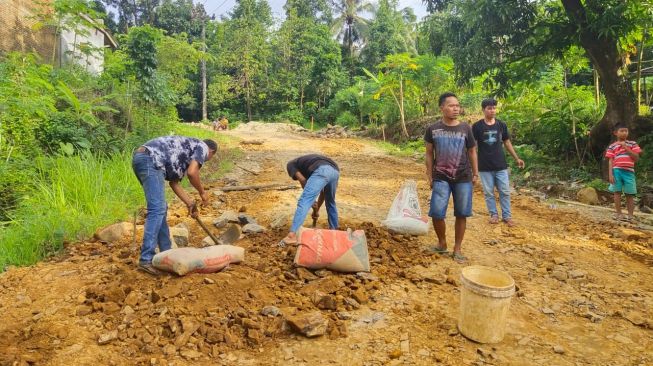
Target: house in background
19	32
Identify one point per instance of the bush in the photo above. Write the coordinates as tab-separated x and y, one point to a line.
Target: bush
291	116
348	119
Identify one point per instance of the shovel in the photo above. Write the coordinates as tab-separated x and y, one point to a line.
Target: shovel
229	236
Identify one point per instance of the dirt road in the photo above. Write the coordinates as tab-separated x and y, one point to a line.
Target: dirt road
585	285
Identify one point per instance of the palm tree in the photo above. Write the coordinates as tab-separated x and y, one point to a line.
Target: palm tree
349	26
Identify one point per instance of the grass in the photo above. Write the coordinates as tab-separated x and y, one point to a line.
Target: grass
73	196
405	149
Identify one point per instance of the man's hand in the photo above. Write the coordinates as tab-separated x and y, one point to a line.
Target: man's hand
520	163
193	211
429	181
205	198
611	178
475	179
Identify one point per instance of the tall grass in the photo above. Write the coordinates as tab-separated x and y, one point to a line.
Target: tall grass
72	196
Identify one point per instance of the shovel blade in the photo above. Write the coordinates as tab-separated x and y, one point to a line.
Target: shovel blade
229	236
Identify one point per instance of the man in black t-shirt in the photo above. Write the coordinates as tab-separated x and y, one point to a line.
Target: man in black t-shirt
319	176
491	135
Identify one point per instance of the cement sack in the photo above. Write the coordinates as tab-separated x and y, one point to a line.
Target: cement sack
341	251
405	216
198	260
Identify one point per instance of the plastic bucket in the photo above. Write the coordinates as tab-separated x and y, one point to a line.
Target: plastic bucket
484	303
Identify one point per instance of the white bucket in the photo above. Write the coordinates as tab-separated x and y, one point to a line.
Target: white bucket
484	303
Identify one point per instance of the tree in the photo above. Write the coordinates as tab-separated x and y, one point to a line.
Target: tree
350	27
490	35
395	79
315	9
308	59
389	33
247	49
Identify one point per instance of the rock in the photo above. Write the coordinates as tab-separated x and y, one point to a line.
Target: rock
254	335
559	275
226	218
310	325
253	229
324	302
483	352
559	260
366	276
343	315
251	324
632	235
588	196
328	285
595	318
453	332
623	339
115	232
214	335
208	281
279	220
270	311
169	349
305	275
207	241
190	354
395	354
636	318
453	280
423	353
360	295
548	311
577	273
404	345
179	236
107	338
245	219
558	349
83	310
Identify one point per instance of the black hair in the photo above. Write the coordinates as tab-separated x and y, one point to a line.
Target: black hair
619	126
211	144
444	97
488	102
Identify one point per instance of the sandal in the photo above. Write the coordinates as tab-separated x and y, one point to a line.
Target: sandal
287	241
618	217
437	250
459	258
509	222
149	269
494	219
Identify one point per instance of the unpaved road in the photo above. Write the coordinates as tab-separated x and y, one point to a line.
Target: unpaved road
54	312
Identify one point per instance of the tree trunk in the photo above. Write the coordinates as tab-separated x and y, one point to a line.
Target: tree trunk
597	87
401	107
604	53
638	83
203	71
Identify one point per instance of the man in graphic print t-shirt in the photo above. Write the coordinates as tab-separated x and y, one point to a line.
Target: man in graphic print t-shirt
167	158
451	169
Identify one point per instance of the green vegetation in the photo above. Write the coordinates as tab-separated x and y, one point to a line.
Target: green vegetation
564	72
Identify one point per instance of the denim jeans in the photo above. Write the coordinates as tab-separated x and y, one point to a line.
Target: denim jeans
324	178
462	199
498	179
156	227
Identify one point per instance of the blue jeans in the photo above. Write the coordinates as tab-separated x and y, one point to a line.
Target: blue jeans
462	199
498	179
156	227
324	178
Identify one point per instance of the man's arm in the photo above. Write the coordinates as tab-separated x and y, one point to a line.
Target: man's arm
508	144
428	158
193	173
300	177
184	197
610	175
474	160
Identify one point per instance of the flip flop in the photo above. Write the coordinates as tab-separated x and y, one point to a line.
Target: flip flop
459	258
149	269
494	219
509	222
437	250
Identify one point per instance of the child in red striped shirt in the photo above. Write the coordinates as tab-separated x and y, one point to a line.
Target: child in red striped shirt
622	155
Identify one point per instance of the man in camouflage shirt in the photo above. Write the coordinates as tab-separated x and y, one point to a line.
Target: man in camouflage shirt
167	158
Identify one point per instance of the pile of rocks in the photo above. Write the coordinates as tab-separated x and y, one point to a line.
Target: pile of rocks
331	132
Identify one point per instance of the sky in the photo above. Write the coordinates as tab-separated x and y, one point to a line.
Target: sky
222	7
